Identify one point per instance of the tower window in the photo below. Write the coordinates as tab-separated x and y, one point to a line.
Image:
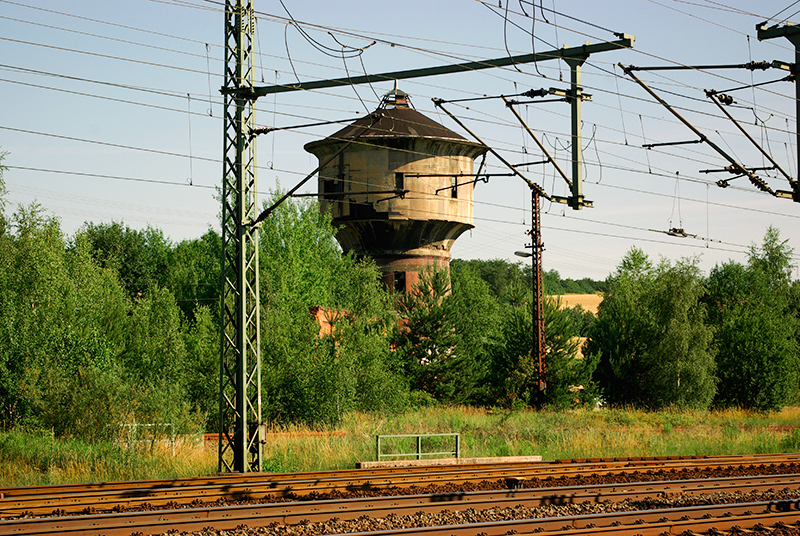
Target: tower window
454	187
399	181
399	282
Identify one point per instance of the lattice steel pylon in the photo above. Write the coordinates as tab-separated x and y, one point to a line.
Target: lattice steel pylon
240	448
538	289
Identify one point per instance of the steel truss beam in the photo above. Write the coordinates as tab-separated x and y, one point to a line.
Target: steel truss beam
792	33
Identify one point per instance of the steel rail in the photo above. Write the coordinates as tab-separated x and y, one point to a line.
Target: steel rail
550	465
187	520
347	509
689	520
294	485
107	501
637	522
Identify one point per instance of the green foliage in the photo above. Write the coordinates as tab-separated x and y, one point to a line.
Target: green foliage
3	193
477	320
77	357
193	274
582	320
554	284
201	339
426	340
89	403
309	376
141	258
507	282
118	326
651	338
756	328
516	371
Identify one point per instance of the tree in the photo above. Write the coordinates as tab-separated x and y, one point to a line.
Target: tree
140	257
3	193
502	277
756	328
310	375
478	322
653	345
445	333
516	371
193	273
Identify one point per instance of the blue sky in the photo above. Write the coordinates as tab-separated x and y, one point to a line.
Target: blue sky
112	113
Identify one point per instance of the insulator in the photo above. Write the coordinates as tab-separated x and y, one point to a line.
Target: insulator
725	99
753	65
758	183
531	93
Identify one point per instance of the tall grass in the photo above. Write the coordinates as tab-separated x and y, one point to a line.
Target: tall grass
33	459
550	434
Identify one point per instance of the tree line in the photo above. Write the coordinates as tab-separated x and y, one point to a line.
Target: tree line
114	325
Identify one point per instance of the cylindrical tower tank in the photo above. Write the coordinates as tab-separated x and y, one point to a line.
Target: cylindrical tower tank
401	193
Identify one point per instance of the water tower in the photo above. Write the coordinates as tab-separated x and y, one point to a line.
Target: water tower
402	192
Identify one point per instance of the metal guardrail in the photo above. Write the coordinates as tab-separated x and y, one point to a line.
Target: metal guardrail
456	453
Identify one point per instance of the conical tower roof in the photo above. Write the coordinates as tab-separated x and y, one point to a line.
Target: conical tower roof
395	119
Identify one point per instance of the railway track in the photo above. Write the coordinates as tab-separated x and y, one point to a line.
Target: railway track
296	512
92	498
756	501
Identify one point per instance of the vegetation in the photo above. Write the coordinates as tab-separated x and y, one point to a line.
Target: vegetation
34	459
653	343
756	328
114	328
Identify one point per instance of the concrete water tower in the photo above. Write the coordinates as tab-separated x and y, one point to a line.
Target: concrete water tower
402	192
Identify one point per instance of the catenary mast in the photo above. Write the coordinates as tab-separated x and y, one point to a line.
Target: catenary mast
240	341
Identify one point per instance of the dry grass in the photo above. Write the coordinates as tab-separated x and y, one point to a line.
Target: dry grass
32	460
552	435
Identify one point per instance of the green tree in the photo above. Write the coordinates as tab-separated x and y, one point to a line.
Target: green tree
516	371
478	323
751	308
310	375
444	334
201	339
3	193
193	273
140	257
503	278
77	356
653	345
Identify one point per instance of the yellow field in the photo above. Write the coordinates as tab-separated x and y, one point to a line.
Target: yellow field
589	302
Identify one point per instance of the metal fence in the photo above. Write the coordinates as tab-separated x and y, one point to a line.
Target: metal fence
455	453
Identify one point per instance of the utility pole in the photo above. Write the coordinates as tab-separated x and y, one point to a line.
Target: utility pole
576	97
537	290
537	246
240	427
792	33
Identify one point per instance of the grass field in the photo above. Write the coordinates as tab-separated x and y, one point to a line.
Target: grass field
31	459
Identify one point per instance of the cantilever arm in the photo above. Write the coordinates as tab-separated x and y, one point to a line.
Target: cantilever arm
714	97
538	190
541	147
757	182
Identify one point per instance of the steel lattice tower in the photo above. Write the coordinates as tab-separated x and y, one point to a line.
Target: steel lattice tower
240	340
